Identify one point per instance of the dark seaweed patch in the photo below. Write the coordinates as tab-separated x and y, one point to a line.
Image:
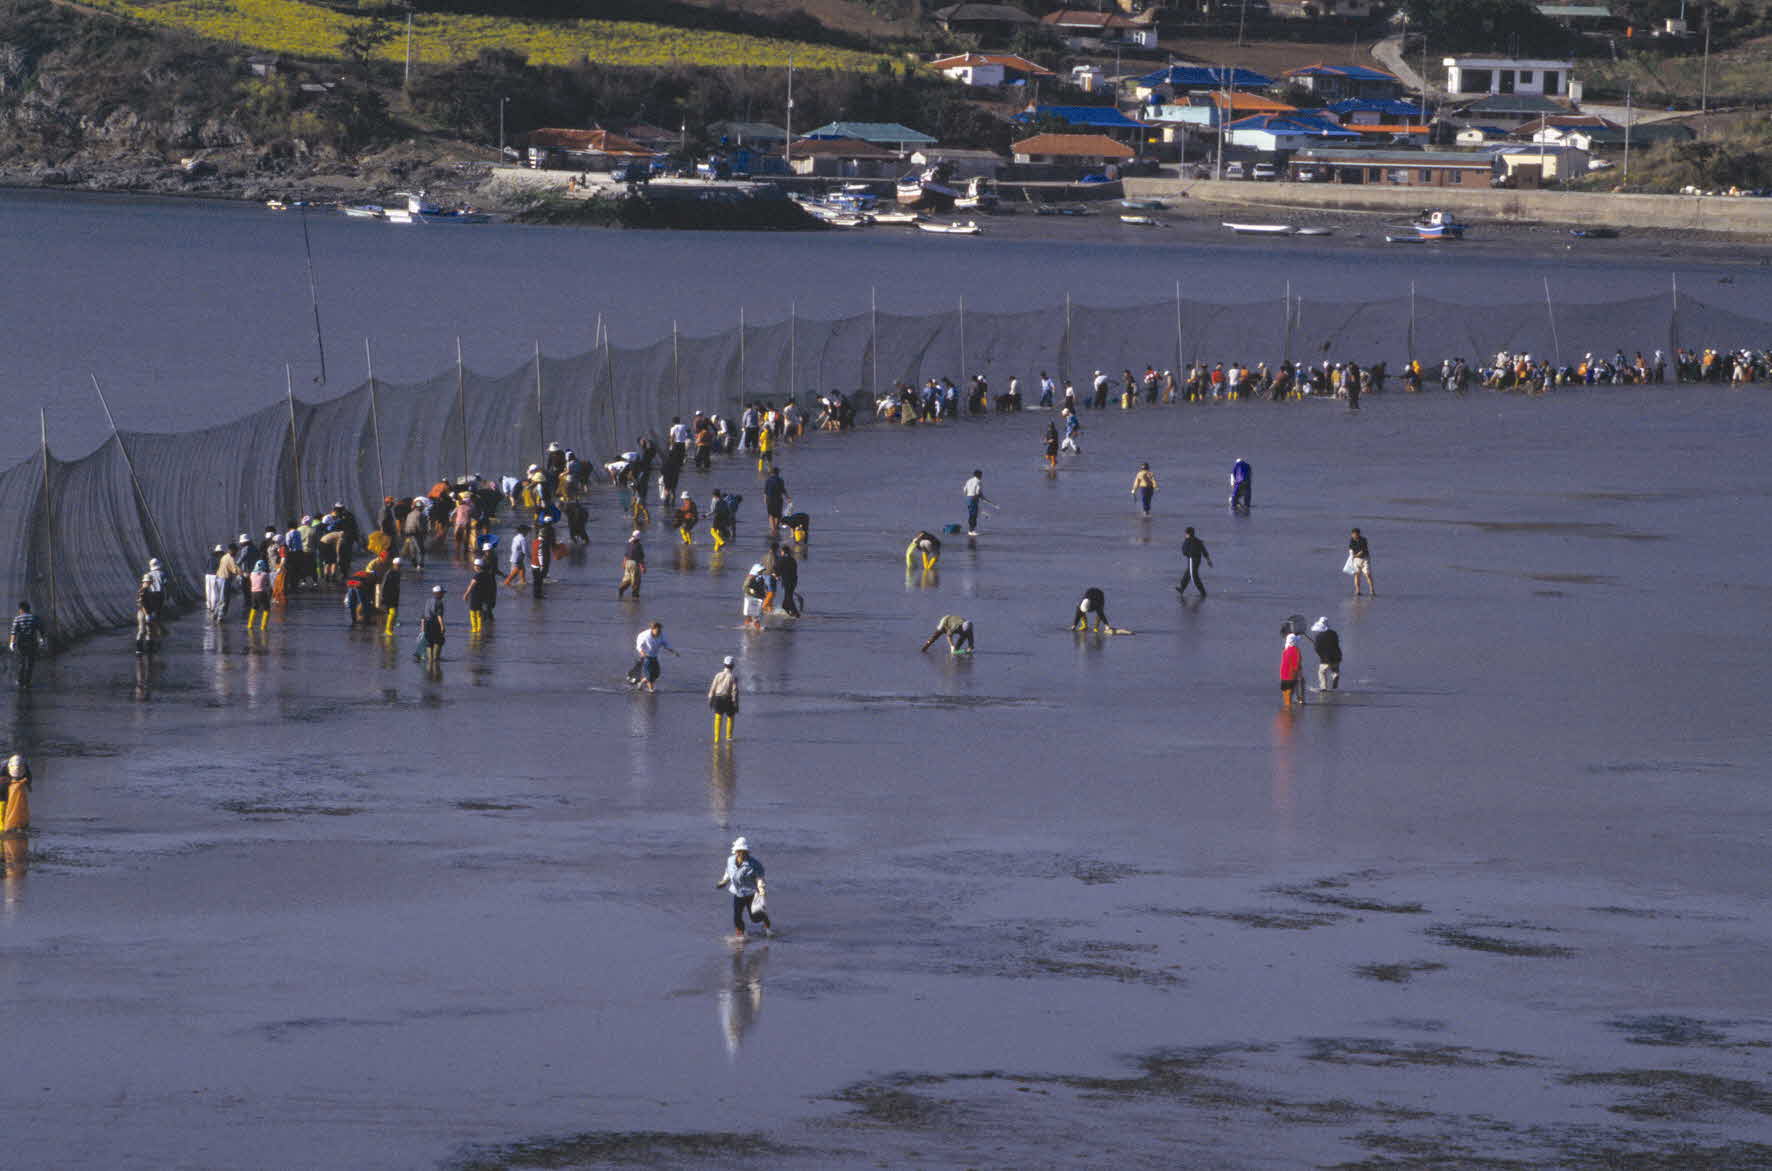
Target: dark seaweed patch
1676	1095
1268	920
255	809
1397	973
890	1104
487	806
1326	892
1667	1030
1382	1054
627	1146
1493	945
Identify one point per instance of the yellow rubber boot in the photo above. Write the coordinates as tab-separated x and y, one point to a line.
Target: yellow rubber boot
719	541
729	722
716	725
929	562
392	614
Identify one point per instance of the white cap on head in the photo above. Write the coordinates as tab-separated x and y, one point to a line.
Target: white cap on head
740	844
397	561
727	661
242	538
634	535
757	568
436	589
1320	625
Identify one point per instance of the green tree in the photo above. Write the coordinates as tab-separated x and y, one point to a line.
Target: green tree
363	39
1474	26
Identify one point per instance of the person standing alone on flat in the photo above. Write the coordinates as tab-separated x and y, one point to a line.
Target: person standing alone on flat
1192	551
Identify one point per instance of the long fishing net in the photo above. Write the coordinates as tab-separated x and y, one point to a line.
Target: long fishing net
76	535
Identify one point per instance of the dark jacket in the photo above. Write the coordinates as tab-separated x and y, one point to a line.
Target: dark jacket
1328	645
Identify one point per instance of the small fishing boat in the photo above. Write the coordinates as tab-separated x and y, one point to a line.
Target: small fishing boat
896	217
419	210
1594	233
1142	220
1315	232
1403	239
1261	229
1060	209
927	189
980	196
954	229
1144	204
364	211
1439	225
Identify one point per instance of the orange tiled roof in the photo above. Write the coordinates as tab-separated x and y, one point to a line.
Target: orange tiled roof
1098	146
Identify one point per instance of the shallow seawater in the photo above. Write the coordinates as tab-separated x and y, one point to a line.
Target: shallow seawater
1074	899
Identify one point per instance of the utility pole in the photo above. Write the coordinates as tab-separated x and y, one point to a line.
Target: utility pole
406	83
787	149
1242	17
1704	83
501	128
1627	122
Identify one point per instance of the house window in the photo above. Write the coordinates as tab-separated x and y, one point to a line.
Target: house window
1399	177
1506	77
1427	176
1553	82
1476	81
1525	77
1454	176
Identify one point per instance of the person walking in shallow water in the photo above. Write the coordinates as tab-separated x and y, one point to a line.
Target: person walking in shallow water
25	641
744	878
723	698
1192	550
1359	561
1144	485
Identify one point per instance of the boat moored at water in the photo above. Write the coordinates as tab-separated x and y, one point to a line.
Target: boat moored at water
969	228
1261	229
928	189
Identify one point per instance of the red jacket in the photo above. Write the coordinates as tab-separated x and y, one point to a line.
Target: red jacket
1291	663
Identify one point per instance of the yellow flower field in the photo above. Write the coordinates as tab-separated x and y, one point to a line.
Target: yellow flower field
305	30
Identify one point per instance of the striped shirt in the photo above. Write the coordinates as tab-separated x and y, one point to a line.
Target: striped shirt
27	632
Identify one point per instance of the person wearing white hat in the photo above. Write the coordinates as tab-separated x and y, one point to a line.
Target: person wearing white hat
15	809
744	878
633	565
387	593
759	584
686	516
1328	648
723	698
214	588
431	629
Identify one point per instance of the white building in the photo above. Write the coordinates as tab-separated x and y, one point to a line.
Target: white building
1507	75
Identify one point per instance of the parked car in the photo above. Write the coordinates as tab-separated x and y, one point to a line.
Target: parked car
1307	175
1234	170
1264	171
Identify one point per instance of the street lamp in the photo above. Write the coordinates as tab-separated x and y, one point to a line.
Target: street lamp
501	128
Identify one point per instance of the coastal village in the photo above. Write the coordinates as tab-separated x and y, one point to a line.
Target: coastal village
1124	100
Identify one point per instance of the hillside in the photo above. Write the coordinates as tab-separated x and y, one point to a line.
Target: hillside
310	31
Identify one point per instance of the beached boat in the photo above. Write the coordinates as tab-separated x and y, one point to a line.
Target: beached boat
1261	229
1594	233
419	210
980	195
1060	209
1144	204
364	211
896	217
927	189
1142	220
954	229
1315	232
1403	239
1439	225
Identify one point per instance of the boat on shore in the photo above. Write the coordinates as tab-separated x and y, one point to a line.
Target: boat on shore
1594	233
981	195
364	211
1071	209
1142	220
1144	205
1439	225
1261	229
928	190
969	228
419	210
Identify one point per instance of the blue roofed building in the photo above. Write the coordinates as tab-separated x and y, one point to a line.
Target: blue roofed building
1198	79
1360	112
1092	119
1269	133
1332	83
901	138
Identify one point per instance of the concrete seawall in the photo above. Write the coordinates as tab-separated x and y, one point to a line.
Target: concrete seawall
1711	213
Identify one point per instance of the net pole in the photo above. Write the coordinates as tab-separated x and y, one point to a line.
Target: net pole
1411	321
741	353
294	436
541	418
314	294
1673	327
1178	324
874	330
48	514
1551	312
962	339
1066	372
156	542
793	347
381	471
676	368
1286	352
461	404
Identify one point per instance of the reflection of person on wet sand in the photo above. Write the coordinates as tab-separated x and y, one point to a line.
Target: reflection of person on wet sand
742	999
